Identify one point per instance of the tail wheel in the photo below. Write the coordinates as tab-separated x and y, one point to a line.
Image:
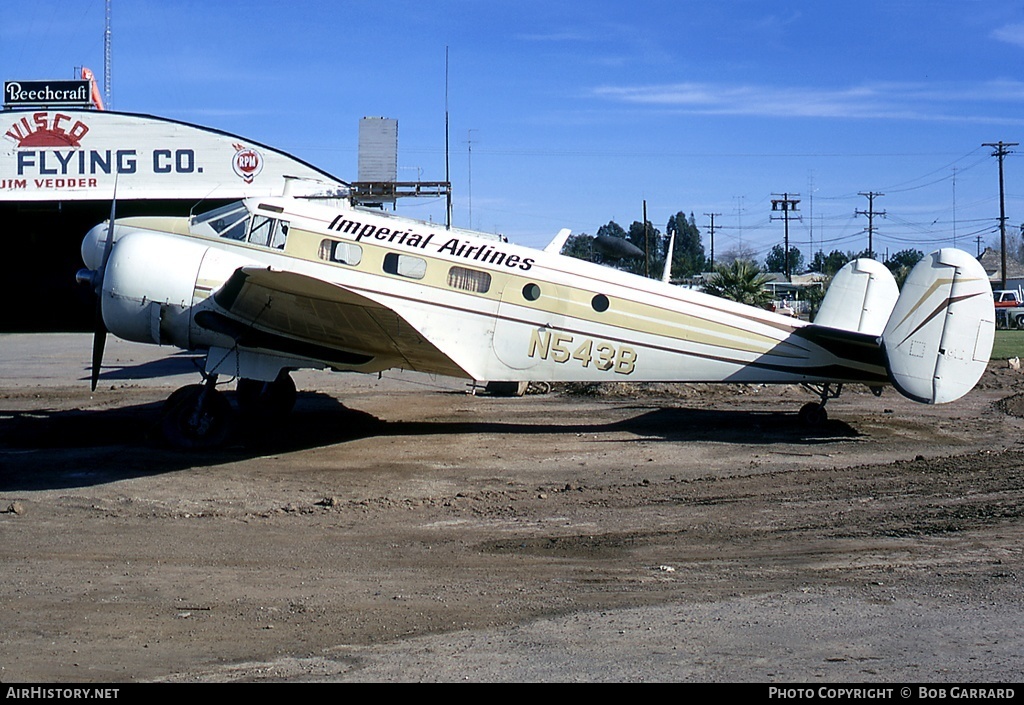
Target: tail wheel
813	415
196	417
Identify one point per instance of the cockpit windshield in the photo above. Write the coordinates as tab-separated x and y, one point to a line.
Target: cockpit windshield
228	221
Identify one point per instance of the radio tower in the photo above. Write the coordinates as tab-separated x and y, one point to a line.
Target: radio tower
106	60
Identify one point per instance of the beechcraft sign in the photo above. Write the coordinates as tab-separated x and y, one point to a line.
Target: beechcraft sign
30	94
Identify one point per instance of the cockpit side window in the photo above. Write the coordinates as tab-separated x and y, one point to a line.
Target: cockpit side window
230	221
259	233
268	232
280	235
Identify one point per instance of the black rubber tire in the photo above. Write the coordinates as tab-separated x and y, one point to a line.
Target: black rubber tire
813	415
185	426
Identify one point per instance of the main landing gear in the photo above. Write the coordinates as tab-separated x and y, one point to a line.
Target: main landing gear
196	416
199	416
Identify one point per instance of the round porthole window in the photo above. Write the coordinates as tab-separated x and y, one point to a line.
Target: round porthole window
600	303
531	292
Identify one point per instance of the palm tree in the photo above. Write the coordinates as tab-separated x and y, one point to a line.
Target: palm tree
741	281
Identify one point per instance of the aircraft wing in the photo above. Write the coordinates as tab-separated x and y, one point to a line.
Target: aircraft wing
298	315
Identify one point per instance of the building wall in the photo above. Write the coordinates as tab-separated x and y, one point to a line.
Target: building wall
60	169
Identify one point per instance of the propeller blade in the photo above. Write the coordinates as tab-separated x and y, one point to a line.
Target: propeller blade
109	244
99	341
99	336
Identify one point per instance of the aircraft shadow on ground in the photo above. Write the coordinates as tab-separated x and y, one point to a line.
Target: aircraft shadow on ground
75	448
181	363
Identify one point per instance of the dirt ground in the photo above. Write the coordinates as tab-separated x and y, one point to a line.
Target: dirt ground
399	529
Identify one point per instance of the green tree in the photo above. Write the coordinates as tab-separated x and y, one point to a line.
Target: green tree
829	264
904	259
611	228
581	246
741	281
902	262
648	240
775	261
688	256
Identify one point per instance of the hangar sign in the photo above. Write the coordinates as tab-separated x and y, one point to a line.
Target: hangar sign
60	155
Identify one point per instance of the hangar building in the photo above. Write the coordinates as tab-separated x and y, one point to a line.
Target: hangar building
61	167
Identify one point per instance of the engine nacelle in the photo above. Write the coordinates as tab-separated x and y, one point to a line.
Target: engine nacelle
148	287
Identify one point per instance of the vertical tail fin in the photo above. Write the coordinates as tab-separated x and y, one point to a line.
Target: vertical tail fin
939	337
860	298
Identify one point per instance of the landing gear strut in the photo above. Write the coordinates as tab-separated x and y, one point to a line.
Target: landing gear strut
196	416
813	414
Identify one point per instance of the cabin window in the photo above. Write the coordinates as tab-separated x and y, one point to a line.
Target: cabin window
268	232
531	292
405	265
469	280
341	252
600	303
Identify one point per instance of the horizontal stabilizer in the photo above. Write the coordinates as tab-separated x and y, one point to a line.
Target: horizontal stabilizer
860	298
939	337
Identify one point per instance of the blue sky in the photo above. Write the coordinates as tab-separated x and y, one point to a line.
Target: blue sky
576	113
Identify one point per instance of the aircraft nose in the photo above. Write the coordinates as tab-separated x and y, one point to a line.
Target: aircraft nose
92	246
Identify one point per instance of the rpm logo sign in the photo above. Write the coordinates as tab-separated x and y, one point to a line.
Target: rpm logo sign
247	163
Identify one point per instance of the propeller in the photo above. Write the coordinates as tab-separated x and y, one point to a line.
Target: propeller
99	341
95	279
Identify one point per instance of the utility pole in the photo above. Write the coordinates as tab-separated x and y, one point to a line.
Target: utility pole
1001	151
712	231
871	213
787	205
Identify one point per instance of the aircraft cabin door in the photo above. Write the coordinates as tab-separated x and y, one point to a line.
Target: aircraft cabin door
529	313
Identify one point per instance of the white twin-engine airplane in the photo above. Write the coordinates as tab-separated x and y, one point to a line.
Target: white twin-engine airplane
270	285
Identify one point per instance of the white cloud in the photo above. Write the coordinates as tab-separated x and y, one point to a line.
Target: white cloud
920	101
1011	34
